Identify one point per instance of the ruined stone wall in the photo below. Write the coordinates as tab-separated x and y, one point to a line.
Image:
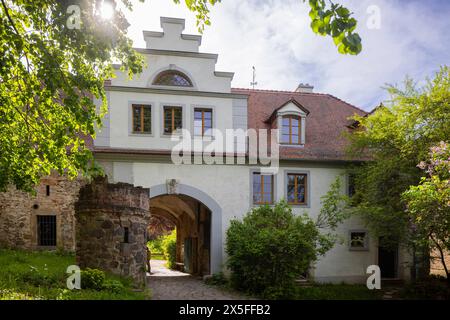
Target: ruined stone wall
112	220
19	211
436	266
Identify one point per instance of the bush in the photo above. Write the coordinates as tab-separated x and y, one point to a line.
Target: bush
113	286
156	245
217	279
37	277
431	288
92	279
169	246
270	248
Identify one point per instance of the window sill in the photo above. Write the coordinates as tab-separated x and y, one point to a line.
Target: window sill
292	145
358	249
137	134
263	204
299	205
166	135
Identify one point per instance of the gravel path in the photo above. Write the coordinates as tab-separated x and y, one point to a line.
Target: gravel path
174	285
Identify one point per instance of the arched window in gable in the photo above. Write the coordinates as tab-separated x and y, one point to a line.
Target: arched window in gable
172	78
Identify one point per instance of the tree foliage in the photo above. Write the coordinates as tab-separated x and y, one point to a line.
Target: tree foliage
335	207
428	204
397	136
270	248
49	73
169	247
337	22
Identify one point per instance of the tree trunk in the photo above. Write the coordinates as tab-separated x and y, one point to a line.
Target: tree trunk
441	253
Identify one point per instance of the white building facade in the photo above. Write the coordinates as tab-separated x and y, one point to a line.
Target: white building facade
180	89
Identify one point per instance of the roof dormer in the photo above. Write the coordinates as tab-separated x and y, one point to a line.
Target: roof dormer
290	119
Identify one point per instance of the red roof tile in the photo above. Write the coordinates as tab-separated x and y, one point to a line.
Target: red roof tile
325	124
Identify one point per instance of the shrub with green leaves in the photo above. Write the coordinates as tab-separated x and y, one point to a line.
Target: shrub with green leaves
156	245
270	248
169	246
114	286
92	279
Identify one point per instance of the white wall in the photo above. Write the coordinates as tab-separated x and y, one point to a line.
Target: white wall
119	119
199	70
229	186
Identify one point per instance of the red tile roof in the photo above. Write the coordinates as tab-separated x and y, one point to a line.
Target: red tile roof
325	124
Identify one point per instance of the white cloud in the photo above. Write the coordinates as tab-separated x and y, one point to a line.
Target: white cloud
275	37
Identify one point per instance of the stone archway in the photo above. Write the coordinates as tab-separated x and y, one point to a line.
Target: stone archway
207	201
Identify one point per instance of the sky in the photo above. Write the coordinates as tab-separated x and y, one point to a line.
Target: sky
399	38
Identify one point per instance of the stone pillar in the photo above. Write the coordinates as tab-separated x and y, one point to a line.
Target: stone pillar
111	224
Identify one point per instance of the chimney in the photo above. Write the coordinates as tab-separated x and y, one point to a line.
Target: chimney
304	88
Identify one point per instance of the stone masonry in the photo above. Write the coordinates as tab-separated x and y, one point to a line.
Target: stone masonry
56	195
111	228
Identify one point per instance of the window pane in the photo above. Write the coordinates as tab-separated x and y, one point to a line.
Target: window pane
294	122
285	138
197	131
301	179
294	139
290	194
198	115
285	131
208	124
291	179
268	198
178	123
198	123
208	114
257	198
147	119
167	122
357	239
257	188
136	119
172	78
285	121
300	193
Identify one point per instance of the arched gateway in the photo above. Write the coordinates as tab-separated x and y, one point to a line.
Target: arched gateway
206	218
112	219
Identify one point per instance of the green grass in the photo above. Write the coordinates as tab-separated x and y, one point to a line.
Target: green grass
42	275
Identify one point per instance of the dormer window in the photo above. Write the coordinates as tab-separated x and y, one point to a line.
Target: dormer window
172	78
291	129
290	120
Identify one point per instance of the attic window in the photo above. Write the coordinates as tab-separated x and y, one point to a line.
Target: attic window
290	129
172	78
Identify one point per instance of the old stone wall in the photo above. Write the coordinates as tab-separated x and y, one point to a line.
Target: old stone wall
111	228
436	266
56	195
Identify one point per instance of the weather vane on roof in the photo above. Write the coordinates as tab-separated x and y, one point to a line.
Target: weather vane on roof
254	83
